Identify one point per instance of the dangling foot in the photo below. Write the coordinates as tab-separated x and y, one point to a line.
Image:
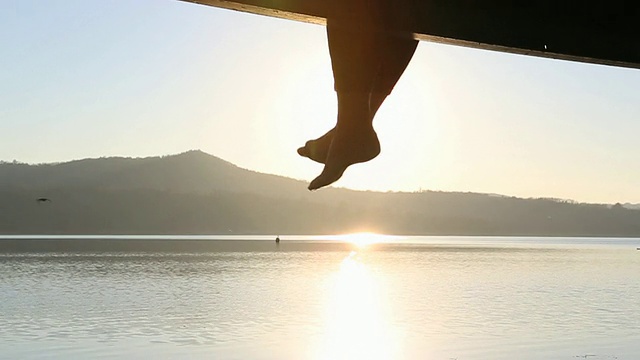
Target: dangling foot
318	149
349	146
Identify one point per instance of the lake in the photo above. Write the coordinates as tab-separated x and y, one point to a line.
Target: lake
244	297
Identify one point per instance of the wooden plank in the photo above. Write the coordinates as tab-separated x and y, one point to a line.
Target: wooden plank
592	32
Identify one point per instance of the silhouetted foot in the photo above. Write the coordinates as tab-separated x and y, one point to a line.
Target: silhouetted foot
317	149
349	146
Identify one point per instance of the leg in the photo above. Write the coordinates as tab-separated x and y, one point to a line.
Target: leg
352	51
352	140
395	54
358	49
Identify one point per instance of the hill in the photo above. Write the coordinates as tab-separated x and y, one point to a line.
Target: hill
197	193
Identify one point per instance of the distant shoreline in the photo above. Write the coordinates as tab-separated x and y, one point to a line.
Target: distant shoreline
266	243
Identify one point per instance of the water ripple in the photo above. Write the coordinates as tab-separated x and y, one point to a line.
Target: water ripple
517	303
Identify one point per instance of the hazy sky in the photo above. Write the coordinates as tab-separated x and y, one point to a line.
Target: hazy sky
89	78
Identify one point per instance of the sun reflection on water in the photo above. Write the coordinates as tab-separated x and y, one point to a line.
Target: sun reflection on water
356	325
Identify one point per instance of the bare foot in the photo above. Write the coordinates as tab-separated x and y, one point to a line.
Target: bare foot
318	149
349	146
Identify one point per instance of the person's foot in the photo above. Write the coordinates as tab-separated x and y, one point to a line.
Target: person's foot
318	149
348	147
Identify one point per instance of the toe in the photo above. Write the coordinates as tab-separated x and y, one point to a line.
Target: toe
303	151
312	152
328	176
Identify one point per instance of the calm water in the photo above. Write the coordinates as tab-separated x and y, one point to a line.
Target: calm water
436	298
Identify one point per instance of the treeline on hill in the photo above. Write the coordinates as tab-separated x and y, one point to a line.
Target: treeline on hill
224	199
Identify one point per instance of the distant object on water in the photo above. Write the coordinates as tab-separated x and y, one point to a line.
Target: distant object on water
278	239
42	199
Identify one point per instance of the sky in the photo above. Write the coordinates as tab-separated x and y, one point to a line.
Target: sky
88	78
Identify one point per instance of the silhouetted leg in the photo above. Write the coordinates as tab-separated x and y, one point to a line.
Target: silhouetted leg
359	44
350	34
354	62
395	54
354	140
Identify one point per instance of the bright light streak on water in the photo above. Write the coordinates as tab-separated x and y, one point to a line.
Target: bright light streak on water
356	324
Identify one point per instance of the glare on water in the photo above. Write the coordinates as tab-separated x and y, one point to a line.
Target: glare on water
357	325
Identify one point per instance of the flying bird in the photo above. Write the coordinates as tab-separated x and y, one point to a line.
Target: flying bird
41	200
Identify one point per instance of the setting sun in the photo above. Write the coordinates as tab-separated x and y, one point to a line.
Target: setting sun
364	239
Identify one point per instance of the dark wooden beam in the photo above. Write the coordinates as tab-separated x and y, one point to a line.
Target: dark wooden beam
593	32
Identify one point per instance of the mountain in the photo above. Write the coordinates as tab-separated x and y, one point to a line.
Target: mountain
632	206
197	193
192	172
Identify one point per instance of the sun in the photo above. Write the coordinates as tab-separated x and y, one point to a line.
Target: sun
364	239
